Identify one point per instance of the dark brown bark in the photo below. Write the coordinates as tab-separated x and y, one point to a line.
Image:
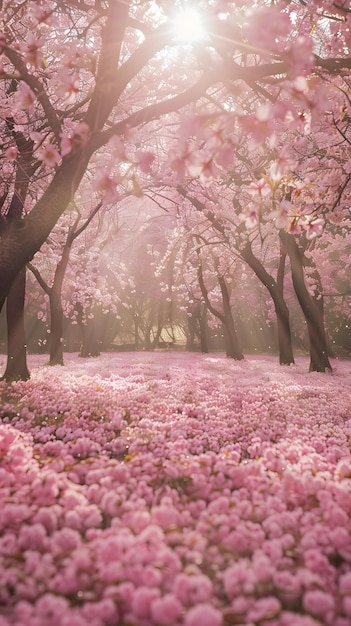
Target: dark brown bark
55	291
313	312
56	328
231	340
16	367
275	288
232	346
203	329
90	347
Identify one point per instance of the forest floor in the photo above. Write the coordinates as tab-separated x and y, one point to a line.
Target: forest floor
171	488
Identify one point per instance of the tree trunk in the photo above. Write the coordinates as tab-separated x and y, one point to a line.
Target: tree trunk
313	313
203	328
286	356
231	340
90	346
136	332
275	288
233	349
16	367
56	328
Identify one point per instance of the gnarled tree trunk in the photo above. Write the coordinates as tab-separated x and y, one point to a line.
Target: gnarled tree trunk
313	312
16	367
275	288
232	346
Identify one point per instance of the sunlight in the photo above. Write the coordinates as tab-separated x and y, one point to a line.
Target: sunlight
188	26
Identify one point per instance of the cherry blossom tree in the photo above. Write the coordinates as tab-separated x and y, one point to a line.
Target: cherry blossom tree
54	291
90	73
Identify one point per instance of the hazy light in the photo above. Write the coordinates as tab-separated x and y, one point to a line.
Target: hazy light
188	26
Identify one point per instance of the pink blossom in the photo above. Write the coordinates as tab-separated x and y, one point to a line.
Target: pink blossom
106	183
261	188
33	537
166	610
143	600
347	605
132	538
145	161
32	50
225	155
66	144
204	614
165	515
345	583
318	602
25	97
259	125
282	215
51	607
49	155
250	215
65	539
264	608
313	227
202	166
68	87
81	133
11	153
105	610
299	56
191	589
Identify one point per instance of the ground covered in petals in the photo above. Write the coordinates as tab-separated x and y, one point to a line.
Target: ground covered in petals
168	489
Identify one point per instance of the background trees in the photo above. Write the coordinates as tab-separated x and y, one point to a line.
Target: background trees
111	98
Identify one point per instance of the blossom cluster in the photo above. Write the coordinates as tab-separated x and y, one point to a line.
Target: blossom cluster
173	489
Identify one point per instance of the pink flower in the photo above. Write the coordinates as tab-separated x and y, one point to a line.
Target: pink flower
191	589
106	183
165	516
142	600
261	188
318	602
225	155
166	610
65	540
49	155
51	607
66	144
178	165
347	606
25	98
11	153
282	215
264	608
313	227
202	167
259	125
266	26
145	160
299	57
82	133
345	583
203	615
31	50
33	537
69	86
105	610
250	215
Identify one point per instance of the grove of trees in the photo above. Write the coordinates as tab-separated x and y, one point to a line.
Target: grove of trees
162	184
